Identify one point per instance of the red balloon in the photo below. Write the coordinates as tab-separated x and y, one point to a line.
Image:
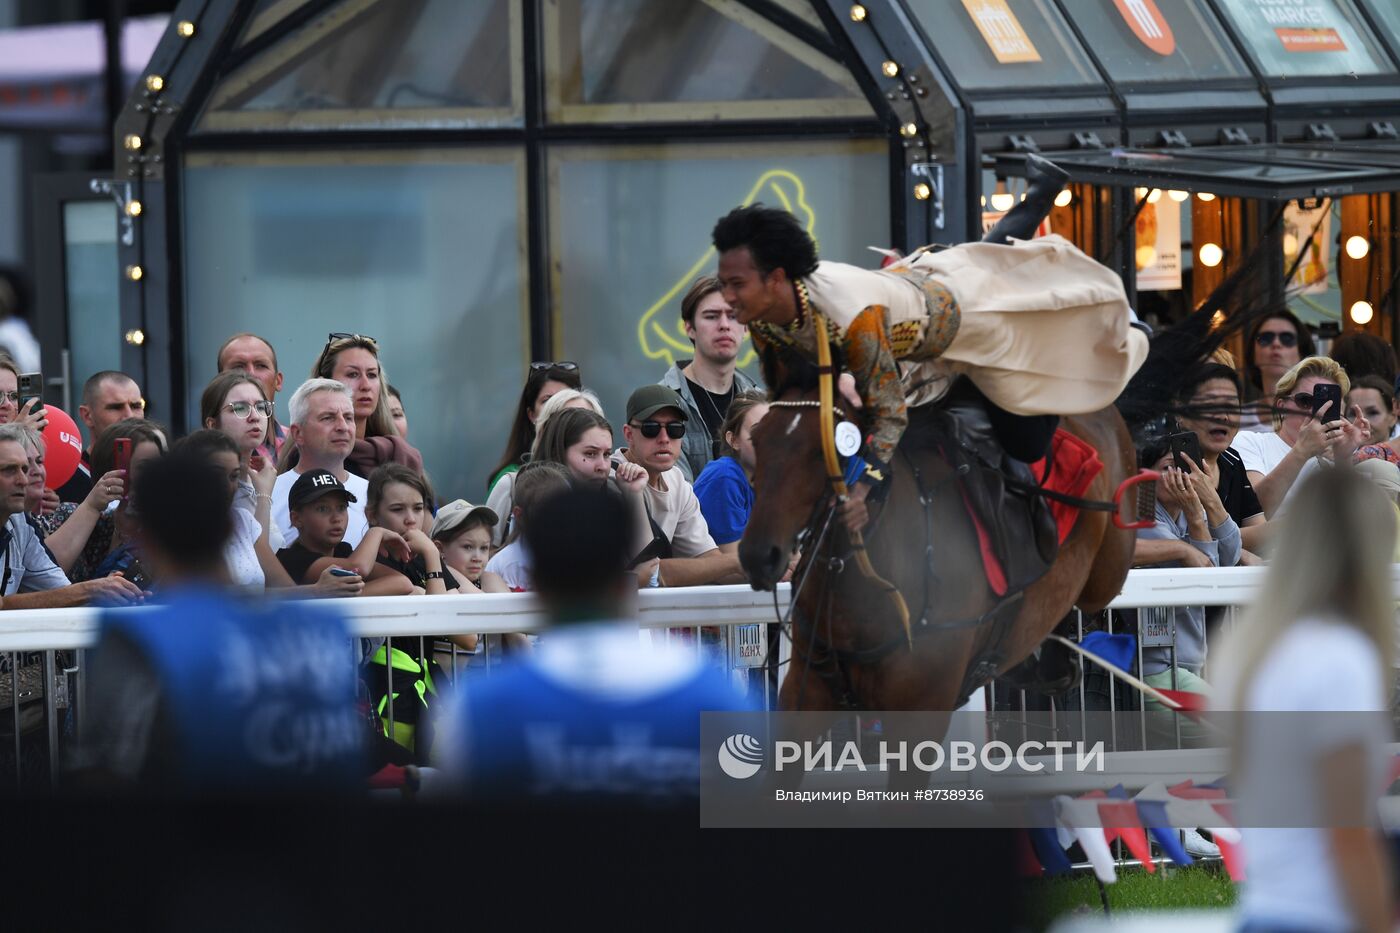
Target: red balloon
63	447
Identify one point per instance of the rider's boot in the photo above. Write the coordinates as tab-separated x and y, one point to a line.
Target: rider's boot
1045	180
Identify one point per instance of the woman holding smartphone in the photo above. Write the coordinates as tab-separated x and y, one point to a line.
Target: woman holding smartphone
1309	428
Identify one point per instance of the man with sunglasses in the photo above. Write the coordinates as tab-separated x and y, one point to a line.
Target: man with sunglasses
656	426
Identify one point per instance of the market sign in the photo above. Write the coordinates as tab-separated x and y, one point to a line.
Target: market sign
1002	31
1148	24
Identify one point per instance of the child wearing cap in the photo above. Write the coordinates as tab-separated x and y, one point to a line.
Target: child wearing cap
462	533
319	506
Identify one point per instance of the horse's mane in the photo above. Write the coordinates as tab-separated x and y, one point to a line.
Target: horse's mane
784	367
1240	302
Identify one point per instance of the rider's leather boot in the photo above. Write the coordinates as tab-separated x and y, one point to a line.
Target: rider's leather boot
1045	181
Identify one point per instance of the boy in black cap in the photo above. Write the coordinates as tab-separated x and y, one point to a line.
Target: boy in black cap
319	506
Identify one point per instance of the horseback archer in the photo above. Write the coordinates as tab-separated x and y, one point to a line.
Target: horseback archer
1041	329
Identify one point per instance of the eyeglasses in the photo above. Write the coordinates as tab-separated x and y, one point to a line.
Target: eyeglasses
333	337
9	397
675	430
1286	339
244	409
564	366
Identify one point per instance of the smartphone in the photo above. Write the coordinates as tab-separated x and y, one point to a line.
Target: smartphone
1183	445
121	460
31	385
1327	402
656	548
342	572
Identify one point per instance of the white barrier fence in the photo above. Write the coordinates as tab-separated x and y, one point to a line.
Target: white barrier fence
47	631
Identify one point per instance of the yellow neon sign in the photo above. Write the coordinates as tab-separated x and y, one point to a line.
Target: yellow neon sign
662	342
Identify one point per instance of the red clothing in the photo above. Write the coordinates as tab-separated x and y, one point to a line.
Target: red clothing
1376	452
370	452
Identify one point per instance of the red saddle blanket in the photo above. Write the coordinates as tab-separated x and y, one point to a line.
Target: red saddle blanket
1073	466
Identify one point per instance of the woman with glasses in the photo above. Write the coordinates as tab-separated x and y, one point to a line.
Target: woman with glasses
1300	441
541	383
353	360
1277	344
236	404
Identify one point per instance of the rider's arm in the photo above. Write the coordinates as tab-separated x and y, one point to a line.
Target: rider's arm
870	359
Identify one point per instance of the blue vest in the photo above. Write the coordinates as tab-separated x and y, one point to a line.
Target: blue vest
261	694
526	736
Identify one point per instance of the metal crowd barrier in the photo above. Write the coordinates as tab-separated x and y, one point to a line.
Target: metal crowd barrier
47	647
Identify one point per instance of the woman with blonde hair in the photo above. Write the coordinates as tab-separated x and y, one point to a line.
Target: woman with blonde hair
353	360
1318	639
1276	460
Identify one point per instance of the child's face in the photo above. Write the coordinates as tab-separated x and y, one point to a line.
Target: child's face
468	552
321	524
400	509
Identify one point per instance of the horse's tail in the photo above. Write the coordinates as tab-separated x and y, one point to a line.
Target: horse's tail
1236	306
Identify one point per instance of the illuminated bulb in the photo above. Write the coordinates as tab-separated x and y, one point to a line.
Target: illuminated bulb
1211	254
1358	247
1146	256
1217	320
1290	244
132	141
154	83
909	129
134	273
984	202
890	69
133	208
857	13
1178	196
1064	198
1001	201
922	191
1155	196
1204	196
185	28
1362	312
136	337
1139	193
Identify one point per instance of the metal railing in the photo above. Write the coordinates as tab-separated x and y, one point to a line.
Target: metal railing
48	646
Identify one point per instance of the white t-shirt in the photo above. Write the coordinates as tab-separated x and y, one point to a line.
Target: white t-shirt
1315	667
355	528
240	553
1260	452
514	565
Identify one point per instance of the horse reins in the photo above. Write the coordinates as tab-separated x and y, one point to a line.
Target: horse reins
836	481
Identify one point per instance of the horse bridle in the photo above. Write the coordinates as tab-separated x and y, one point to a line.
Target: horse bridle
825	404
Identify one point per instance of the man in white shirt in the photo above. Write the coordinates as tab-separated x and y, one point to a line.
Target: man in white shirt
656	423
323	430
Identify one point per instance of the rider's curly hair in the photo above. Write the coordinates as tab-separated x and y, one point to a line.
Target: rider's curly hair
774	237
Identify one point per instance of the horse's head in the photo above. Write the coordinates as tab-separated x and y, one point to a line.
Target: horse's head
790	476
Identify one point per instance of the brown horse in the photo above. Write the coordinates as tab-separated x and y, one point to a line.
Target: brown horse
849	650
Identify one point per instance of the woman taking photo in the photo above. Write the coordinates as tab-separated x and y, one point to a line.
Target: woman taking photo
1318	639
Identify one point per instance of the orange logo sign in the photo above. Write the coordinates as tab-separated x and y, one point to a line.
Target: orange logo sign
1148	24
1310	40
1002	31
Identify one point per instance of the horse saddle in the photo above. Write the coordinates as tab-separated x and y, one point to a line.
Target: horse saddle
1016	530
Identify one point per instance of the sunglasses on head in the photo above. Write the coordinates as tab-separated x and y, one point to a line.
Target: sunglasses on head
675	430
1285	338
565	366
332	338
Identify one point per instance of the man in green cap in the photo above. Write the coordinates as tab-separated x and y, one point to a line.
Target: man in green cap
656	425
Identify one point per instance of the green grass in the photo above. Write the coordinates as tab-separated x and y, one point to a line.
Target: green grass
1171	888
